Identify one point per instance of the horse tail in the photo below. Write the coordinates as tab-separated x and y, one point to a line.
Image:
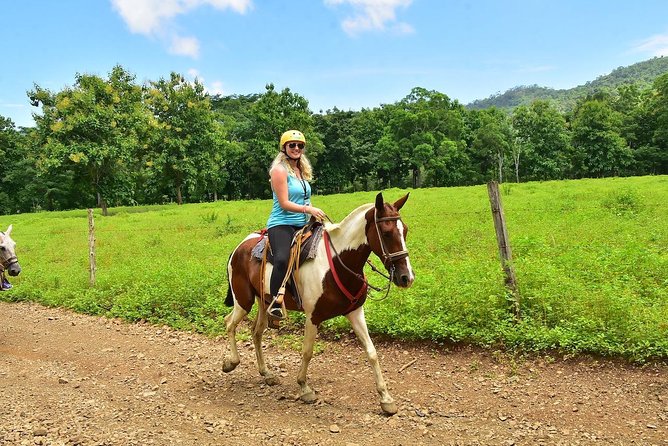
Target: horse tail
229	299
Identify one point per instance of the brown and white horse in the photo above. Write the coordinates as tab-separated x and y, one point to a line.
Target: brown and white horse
8	260
330	285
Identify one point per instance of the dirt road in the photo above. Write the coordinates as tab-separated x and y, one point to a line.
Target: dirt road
68	379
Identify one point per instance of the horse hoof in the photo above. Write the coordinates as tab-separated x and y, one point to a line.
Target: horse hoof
389	408
228	366
271	380
308	398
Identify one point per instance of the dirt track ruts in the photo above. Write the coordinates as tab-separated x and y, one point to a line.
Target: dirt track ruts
69	379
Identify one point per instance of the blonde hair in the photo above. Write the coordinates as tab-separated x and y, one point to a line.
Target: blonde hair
303	163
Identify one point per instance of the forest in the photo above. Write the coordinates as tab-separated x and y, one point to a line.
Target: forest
111	141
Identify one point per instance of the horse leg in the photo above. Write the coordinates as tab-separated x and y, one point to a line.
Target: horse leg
358	322
310	331
258	330
231	322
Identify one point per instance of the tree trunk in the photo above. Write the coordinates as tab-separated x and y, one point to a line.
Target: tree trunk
179	198
500	161
103	204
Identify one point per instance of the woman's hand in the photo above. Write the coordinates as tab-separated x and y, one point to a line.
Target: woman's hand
318	213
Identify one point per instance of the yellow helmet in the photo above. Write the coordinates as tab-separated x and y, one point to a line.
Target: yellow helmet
292	135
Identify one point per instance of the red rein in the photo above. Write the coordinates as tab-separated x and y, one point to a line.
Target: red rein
353	299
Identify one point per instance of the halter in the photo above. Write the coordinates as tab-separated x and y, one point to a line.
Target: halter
6	263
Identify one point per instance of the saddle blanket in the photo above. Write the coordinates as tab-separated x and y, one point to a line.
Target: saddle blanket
309	249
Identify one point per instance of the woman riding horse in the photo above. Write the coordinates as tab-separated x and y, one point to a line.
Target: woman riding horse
330	285
290	175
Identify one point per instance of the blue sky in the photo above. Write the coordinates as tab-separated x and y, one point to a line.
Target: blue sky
344	53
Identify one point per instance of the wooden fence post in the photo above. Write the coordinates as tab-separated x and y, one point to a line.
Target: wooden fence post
91	247
504	244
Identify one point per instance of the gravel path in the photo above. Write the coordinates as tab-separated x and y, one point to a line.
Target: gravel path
69	379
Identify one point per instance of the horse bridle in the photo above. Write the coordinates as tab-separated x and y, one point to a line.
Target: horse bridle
393	256
6	263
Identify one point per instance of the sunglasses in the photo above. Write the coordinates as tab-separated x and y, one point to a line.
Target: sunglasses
299	145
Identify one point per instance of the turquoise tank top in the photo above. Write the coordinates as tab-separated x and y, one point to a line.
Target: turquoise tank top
298	192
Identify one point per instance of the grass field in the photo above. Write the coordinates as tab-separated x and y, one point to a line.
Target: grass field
591	259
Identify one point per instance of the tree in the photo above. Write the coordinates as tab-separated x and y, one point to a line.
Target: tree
186	141
92	130
492	143
337	162
656	160
542	137
271	115
599	149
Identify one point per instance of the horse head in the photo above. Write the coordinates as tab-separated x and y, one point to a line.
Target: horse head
8	260
386	233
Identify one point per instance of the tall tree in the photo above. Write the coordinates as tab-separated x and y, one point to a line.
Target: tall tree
271	115
492	143
186	140
92	129
599	149
543	138
337	162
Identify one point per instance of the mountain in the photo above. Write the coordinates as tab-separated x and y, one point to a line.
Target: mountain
642	73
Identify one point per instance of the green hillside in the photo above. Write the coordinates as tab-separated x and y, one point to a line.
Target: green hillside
642	73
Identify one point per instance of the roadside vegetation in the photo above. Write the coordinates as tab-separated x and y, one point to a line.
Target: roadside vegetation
591	259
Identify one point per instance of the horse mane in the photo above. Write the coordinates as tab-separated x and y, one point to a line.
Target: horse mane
346	227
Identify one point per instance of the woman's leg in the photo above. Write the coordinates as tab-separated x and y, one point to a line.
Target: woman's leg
280	238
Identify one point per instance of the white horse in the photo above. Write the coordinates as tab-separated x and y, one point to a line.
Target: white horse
8	260
330	285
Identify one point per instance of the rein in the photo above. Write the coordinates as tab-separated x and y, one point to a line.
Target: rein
387	257
353	299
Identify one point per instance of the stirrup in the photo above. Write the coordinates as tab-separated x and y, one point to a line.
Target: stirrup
275	310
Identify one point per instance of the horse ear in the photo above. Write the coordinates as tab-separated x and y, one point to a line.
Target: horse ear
9	229
400	202
380	203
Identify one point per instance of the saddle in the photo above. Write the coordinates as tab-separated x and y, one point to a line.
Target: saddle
303	248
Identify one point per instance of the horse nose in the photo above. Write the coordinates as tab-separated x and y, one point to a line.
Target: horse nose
14	270
404	279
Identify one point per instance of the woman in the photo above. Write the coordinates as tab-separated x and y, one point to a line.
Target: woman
290	175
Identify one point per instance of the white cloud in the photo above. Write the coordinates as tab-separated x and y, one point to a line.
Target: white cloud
154	18
656	45
185	46
370	15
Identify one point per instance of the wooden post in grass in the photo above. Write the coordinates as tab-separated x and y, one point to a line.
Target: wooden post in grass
504	244
91	247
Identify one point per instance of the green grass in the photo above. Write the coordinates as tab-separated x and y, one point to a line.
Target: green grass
591	259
